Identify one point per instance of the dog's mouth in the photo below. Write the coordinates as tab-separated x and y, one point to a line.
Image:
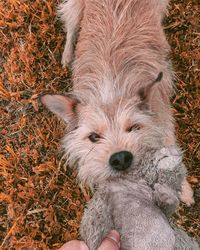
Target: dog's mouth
122	173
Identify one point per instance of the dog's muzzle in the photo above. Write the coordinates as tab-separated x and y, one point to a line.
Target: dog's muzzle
121	160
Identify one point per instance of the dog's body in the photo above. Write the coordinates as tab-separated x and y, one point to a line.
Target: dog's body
122	83
121	48
129	205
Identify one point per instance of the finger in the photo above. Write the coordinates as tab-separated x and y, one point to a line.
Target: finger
111	242
74	245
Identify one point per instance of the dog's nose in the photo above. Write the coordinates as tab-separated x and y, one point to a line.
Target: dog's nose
121	160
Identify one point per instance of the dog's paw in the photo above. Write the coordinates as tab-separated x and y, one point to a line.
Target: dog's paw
66	59
187	199
186	195
67	55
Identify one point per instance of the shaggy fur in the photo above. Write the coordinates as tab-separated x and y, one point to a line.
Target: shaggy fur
122	82
129	205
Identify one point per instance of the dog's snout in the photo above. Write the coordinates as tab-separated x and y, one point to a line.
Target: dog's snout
121	160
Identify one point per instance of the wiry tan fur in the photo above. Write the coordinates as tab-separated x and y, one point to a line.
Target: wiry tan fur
120	50
93	158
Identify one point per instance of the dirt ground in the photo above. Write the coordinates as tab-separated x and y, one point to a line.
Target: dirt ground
41	202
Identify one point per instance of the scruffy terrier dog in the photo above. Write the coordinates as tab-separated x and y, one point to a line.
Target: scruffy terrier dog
122	83
137	205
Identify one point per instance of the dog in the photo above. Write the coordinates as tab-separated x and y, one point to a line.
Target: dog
122	83
138	205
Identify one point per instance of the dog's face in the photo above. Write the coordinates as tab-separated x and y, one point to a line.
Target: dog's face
105	139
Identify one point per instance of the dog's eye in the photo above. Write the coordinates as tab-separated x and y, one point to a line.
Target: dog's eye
93	137
134	127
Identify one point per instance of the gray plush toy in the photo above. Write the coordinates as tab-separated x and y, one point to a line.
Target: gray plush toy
137	204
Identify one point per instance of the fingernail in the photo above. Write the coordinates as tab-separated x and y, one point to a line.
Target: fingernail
114	235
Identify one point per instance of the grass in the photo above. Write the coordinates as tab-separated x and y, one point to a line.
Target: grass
41	202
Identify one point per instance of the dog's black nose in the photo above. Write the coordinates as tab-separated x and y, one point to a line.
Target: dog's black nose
121	160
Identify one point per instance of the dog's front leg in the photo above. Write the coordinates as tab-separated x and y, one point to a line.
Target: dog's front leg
70	12
96	221
186	194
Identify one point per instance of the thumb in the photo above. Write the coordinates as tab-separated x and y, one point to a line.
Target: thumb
111	242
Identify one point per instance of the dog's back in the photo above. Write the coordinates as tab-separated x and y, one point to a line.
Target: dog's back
121	47
121	41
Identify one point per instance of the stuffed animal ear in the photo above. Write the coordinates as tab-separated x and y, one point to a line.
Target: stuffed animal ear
145	92
62	106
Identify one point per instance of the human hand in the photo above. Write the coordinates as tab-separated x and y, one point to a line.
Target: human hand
111	242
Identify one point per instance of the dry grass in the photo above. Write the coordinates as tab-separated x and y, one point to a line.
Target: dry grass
41	203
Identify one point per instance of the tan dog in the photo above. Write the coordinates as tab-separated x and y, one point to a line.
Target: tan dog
122	86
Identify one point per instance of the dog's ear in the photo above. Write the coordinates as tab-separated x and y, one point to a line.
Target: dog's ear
145	92
63	106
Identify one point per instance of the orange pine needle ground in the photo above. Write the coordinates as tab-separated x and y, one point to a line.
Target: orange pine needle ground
41	202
